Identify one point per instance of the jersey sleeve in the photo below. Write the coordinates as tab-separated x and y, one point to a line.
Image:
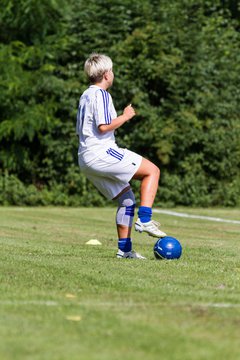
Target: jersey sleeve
113	112
101	110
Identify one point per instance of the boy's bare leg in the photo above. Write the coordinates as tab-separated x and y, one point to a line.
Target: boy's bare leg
149	175
123	231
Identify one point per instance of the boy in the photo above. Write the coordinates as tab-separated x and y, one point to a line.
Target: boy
109	167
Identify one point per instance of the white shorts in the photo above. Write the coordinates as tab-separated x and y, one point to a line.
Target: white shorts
111	171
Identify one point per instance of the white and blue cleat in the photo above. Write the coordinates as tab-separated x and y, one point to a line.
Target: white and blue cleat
129	255
150	227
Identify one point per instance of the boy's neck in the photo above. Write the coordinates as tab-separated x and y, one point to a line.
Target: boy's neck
102	85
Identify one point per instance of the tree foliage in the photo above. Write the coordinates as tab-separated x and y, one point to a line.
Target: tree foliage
176	62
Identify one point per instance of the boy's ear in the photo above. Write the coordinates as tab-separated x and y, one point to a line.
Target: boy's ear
105	75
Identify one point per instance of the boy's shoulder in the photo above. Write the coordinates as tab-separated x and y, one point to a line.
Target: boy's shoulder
88	94
94	91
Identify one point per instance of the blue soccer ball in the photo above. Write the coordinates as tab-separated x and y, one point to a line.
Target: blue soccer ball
167	248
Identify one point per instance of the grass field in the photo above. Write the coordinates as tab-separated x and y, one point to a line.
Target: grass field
61	299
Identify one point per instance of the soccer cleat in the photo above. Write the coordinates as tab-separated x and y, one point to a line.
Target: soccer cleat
129	255
150	227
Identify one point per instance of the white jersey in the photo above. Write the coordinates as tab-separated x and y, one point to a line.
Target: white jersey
95	108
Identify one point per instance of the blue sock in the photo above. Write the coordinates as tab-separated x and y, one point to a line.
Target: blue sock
125	244
144	213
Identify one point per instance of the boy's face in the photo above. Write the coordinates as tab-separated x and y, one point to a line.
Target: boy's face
110	77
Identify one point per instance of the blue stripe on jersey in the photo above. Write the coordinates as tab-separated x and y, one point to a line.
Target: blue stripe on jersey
107	102
104	104
107	117
80	118
107	113
115	154
105	96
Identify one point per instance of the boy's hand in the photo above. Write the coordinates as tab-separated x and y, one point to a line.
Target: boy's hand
129	112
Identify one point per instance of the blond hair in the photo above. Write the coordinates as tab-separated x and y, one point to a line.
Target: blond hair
96	66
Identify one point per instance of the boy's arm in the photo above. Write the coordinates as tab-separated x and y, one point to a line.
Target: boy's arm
128	113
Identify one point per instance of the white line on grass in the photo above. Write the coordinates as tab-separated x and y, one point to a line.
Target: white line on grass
30	302
221	305
179	214
108	304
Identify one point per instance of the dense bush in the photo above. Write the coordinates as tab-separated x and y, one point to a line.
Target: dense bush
176	62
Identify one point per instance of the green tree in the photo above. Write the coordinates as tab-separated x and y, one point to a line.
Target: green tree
176	62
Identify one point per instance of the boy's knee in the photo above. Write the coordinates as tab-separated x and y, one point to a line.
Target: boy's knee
126	207
158	172
155	170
